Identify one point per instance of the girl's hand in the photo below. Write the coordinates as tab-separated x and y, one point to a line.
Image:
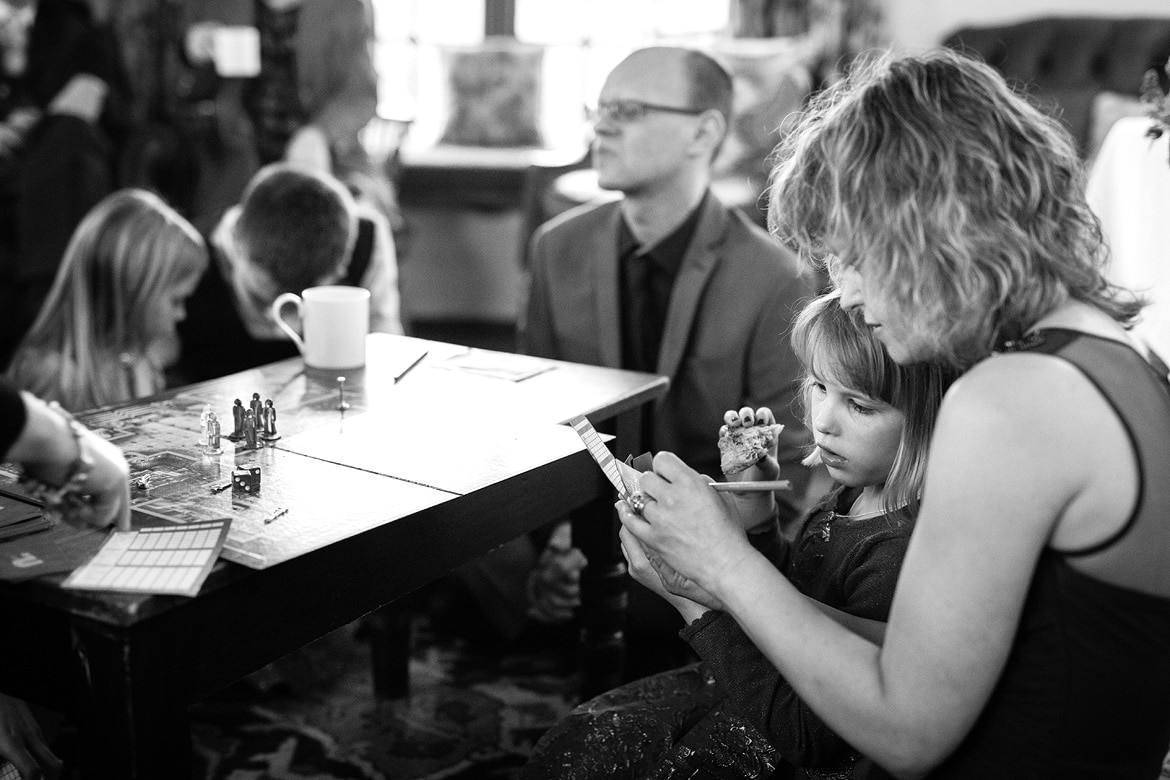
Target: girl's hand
686	525
689	599
767	467
752	509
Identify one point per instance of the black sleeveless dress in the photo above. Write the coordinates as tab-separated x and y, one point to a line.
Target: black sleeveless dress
1086	690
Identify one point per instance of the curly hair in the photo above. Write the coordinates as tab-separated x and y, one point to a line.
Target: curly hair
958	198
834	344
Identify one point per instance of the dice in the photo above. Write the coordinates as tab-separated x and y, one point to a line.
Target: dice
246	479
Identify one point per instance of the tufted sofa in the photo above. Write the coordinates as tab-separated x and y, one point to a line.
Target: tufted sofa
1068	62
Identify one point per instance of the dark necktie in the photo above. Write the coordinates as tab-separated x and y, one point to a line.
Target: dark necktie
637	337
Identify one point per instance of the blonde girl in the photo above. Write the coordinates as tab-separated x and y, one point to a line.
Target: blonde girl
106	331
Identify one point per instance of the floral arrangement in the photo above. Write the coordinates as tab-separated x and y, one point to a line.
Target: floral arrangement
1157	101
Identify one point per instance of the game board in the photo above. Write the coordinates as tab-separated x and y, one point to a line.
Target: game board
175	479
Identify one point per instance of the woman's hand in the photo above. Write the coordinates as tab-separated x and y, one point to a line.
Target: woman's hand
22	743
685	527
199	42
688	598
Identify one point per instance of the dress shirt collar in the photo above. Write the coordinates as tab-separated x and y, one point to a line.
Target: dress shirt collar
668	253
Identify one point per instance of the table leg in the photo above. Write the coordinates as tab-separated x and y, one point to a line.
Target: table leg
388	630
603	598
132	711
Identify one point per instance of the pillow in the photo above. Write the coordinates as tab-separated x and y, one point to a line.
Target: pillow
494	95
1106	109
772	82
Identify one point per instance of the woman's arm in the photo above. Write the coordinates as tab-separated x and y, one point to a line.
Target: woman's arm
1010	455
872	630
49	448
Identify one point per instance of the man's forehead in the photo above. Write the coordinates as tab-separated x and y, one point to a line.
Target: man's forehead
655	77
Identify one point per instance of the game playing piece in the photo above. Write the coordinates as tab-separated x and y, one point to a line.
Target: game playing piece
238	420
256	407
268	422
213	433
203	417
246	479
341	403
249	430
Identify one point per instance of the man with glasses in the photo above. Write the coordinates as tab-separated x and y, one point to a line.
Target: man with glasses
667	280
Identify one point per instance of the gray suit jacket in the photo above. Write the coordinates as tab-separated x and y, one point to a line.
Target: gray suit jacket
726	339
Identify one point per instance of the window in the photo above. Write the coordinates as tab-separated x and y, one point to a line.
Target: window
582	41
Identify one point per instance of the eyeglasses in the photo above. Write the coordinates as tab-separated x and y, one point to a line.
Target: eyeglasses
631	110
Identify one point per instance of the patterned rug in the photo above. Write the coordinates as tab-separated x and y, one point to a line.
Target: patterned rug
474	711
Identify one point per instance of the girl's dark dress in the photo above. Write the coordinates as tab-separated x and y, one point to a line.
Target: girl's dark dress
732	715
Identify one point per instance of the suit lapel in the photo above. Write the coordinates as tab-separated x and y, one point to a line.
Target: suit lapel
601	249
697	265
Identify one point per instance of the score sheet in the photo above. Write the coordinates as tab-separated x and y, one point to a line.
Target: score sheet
172	559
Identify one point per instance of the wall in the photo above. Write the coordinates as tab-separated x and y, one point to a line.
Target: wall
914	24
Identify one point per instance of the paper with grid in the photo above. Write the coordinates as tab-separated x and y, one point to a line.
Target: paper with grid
622	476
173	559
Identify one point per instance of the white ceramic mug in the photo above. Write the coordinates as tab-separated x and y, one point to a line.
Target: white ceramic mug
236	51
335	321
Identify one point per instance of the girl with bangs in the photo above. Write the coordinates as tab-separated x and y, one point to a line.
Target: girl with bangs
107	330
734	714
1029	636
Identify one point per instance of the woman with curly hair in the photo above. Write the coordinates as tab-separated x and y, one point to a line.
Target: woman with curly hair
1029	635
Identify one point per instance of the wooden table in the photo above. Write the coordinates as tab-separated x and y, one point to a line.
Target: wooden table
417	478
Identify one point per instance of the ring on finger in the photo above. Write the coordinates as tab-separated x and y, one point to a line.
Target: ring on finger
637	502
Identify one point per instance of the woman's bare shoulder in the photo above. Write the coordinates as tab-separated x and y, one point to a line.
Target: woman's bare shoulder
1018	387
1027	419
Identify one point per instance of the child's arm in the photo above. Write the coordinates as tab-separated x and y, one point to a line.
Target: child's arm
752	687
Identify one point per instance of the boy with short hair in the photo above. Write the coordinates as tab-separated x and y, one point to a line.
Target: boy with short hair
294	228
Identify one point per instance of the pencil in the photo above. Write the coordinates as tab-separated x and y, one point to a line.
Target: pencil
413	363
751	487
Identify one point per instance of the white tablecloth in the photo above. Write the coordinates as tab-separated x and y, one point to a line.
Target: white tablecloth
1129	189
